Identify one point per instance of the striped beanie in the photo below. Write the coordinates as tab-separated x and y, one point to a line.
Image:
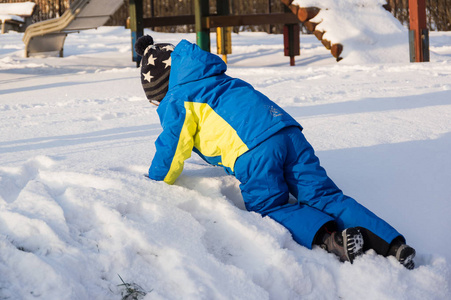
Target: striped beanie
155	67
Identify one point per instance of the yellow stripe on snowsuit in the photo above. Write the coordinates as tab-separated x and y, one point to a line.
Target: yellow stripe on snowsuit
204	129
184	148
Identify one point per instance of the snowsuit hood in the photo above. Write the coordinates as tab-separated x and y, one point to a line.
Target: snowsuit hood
190	63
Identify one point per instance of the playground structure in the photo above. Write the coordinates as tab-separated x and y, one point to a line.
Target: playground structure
305	15
16	16
294	15
49	36
222	21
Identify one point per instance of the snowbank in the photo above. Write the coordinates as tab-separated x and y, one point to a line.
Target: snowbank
76	212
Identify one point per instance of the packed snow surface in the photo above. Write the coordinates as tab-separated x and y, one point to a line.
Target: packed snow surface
76	212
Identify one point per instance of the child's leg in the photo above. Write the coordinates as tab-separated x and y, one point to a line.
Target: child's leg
265	191
310	184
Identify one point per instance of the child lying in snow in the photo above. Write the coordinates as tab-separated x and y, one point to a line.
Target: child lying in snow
229	124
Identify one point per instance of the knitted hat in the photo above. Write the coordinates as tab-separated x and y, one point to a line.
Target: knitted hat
155	67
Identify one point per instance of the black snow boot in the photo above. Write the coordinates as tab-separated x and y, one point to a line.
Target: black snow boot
347	245
404	254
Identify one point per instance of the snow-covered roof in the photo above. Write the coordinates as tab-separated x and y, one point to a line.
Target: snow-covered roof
21	9
3	18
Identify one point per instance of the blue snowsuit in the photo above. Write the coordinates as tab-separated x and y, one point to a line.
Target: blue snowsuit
230	124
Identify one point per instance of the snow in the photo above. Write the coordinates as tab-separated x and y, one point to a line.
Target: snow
21	8
76	212
367	31
4	18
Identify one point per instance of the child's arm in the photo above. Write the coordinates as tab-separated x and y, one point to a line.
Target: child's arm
174	145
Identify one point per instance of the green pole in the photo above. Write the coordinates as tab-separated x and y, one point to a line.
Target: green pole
136	26
202	10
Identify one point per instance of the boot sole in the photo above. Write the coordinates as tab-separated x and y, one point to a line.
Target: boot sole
352	243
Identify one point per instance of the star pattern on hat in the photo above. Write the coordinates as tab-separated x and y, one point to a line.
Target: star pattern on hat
168	48
147	76
154	62
147	50
151	60
167	62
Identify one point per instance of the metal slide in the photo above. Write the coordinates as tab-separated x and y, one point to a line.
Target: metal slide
48	36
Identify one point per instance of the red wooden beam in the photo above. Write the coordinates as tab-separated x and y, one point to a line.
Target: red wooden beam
417	12
253	19
214	21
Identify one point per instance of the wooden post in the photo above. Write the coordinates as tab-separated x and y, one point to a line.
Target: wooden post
269	11
152	11
60	8
291	39
418	34
152	8
202	10
224	41
136	26
223	34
